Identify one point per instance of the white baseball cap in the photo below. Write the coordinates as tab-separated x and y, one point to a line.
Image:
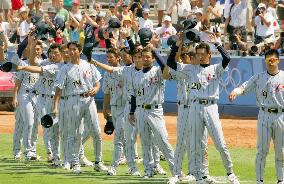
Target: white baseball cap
167	18
261	5
23	9
199	11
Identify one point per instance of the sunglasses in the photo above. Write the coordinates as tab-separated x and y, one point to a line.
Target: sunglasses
271	60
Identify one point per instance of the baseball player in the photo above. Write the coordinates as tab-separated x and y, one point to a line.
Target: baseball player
269	89
113	90
25	99
127	73
203	112
183	91
148	95
45	86
79	81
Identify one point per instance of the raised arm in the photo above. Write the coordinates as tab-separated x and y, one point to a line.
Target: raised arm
32	69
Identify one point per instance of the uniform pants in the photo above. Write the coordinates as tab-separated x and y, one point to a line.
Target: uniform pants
151	125
76	109
202	116
270	126
182	145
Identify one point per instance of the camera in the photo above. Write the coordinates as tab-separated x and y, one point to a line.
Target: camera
258	11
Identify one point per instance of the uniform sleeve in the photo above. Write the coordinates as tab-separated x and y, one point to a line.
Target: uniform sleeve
18	76
219	70
96	74
183	71
118	72
105	87
61	78
49	69
249	85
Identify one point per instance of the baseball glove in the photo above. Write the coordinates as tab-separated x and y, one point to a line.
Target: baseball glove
109	128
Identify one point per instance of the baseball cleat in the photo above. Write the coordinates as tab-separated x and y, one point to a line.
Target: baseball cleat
85	162
188	178
173	180
202	181
77	169
138	160
209	179
134	172
280	182
158	170
122	161
49	157
259	182
33	158
111	171
233	179
56	163
148	175
100	167
18	157
67	166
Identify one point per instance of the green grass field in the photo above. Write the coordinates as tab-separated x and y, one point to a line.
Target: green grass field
38	172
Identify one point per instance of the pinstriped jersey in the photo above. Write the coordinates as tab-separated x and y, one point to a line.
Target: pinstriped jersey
45	84
203	82
28	80
113	86
183	89
77	79
269	89
126	73
149	87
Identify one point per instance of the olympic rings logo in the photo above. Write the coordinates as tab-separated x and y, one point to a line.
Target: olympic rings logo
231	79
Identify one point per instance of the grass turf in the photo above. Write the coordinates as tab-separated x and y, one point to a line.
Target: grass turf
39	172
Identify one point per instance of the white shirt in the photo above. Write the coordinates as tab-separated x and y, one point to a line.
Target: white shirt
24	30
145	23
6	28
262	29
238	14
184	8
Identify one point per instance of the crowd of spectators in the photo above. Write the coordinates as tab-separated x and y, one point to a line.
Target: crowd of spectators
234	22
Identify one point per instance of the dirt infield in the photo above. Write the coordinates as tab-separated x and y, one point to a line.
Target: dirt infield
238	132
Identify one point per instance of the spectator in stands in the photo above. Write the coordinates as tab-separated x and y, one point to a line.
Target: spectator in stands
179	10
5	5
163	33
194	8
263	23
73	29
124	12
3	44
207	31
62	12
38	8
4	26
162	6
99	32
237	43
145	22
25	26
199	16
112	13
76	10
214	13
236	19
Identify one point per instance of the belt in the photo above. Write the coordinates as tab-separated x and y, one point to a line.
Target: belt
81	95
30	91
148	106
204	101
45	95
184	106
238	27
271	110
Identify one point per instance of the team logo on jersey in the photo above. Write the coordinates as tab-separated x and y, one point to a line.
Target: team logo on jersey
87	74
278	87
209	77
153	80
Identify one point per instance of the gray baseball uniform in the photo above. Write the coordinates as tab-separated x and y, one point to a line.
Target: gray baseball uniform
203	112
25	113
44	105
75	81
270	99
148	88
183	121
114	87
